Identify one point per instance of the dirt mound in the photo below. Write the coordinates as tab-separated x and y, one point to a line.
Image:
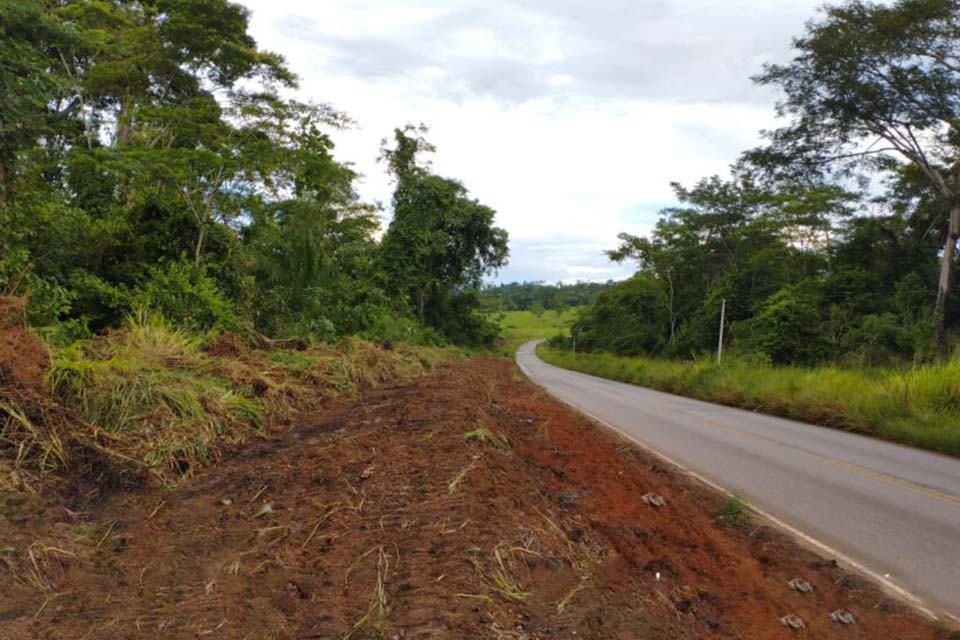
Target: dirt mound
465	504
23	358
227	345
38	434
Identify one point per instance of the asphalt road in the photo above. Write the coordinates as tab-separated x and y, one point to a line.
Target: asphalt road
893	510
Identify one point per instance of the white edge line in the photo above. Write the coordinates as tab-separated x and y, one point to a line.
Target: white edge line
885	583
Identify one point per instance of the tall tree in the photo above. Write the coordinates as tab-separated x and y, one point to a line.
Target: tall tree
440	242
871	82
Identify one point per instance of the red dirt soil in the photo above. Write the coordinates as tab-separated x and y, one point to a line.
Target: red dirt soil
23	358
226	345
378	518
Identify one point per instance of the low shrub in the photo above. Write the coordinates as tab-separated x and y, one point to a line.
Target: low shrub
186	295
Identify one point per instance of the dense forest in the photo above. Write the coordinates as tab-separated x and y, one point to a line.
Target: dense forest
150	159
835	241
527	296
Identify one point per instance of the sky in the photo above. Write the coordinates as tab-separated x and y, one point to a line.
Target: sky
569	117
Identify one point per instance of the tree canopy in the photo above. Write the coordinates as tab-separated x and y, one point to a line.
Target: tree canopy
440	242
811	267
878	84
150	156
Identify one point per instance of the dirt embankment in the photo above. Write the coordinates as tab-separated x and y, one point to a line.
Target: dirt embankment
23	358
465	504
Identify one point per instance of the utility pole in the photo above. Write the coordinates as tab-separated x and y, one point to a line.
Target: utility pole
574	341
723	316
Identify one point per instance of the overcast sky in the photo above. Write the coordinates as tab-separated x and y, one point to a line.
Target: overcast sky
570	118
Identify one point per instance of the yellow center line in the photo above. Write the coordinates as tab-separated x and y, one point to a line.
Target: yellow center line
848	466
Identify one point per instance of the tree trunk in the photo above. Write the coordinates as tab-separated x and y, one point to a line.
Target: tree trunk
673	315
6	169
946	280
124	124
3	183
199	247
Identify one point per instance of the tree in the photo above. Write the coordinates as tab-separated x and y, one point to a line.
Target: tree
26	84
557	297
627	318
872	82
440	242
786	327
717	228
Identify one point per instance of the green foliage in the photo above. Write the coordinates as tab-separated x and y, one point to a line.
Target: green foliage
184	294
439	244
149	158
734	512
810	271
874	85
804	280
786	327
881	337
522	296
629	318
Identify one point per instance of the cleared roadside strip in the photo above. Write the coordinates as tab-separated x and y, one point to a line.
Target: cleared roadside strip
812	542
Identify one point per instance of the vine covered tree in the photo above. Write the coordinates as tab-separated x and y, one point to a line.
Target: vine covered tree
440	242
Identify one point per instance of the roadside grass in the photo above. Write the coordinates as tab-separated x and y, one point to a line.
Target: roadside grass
484	435
919	406
522	326
734	512
151	399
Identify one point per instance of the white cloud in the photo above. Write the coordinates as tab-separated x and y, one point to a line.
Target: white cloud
569	118
561	80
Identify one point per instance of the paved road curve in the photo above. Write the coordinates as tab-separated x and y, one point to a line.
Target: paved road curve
892	509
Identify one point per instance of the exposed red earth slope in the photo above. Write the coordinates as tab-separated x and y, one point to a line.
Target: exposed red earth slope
379	517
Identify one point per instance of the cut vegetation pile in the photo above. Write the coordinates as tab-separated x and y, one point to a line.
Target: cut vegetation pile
461	504
36	431
153	401
918	406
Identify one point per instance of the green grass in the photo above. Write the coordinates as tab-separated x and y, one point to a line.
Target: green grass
734	512
152	385
484	435
919	406
521	326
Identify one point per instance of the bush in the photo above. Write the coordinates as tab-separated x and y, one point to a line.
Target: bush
787	326
186	295
880	339
629	318
387	325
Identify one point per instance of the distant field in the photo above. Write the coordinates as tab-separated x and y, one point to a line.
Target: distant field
521	326
919	406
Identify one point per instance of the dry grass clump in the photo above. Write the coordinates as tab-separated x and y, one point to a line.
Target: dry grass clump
149	398
38	435
151	388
